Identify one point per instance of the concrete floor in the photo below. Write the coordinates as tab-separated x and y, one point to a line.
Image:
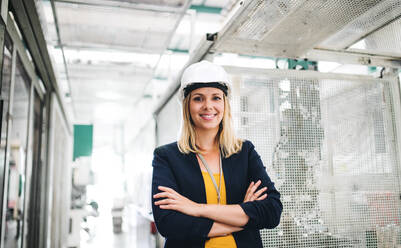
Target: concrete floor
135	232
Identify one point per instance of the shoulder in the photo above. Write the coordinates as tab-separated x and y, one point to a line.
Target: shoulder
171	155
167	149
248	150
247	146
170	152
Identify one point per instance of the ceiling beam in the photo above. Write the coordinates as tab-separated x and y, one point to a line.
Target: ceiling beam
61	48
124	5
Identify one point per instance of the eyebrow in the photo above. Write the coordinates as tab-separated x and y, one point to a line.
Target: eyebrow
213	94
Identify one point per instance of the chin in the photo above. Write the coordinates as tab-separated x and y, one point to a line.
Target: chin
209	127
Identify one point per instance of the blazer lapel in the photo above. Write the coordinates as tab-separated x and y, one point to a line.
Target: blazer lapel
227	172
197	179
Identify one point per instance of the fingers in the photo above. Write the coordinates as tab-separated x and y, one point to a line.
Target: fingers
255	186
165	195
248	195
249	188
264	196
165	202
170	195
166	189
259	192
253	189
252	194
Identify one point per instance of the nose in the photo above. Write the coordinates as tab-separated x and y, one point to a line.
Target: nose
208	104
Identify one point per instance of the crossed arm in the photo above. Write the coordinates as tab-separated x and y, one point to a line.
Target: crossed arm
227	218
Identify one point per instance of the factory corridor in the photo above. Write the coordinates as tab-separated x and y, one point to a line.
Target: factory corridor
90	88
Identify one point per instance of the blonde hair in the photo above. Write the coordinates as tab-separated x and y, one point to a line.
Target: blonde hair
229	144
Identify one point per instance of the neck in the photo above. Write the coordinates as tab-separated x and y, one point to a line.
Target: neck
206	140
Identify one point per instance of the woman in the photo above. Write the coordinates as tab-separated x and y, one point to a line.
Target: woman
211	189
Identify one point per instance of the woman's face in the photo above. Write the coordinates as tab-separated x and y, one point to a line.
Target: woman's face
206	107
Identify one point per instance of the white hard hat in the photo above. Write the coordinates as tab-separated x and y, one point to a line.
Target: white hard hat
207	73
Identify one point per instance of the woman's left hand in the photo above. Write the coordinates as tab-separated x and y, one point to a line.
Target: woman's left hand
253	195
175	201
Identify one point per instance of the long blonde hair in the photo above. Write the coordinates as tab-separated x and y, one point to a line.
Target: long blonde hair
229	144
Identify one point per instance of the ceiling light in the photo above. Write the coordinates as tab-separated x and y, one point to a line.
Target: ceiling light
108	95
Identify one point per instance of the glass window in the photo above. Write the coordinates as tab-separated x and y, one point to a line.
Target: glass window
4	103
18	153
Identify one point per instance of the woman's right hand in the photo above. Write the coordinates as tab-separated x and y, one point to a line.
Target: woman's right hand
251	195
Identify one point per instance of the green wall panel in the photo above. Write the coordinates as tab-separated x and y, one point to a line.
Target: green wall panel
83	140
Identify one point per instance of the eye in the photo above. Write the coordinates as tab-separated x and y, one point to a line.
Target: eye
197	99
217	98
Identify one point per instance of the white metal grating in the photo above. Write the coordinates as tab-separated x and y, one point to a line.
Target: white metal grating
386	41
327	142
373	19
292	28
263	18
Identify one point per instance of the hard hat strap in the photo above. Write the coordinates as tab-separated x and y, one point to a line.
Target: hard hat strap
194	86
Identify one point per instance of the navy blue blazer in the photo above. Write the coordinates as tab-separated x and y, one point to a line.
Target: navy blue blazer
181	172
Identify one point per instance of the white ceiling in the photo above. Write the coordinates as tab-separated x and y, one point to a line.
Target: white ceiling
121	52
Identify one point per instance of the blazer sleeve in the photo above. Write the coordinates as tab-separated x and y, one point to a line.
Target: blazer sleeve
265	213
173	224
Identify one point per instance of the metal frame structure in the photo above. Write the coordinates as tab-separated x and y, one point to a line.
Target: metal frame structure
7	159
396	93
53	173
246	14
318	53
12	31
240	14
27	19
22	25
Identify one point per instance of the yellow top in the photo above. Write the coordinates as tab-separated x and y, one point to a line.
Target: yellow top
211	198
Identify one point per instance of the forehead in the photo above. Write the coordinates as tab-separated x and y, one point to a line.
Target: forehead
207	91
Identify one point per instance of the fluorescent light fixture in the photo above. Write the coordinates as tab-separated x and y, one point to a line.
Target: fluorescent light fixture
231	59
352	69
108	95
111	112
326	66
101	56
359	45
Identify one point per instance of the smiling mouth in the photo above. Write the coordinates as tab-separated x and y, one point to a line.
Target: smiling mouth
208	116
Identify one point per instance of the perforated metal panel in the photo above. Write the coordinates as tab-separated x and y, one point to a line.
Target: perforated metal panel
327	142
292	28
386	41
372	20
